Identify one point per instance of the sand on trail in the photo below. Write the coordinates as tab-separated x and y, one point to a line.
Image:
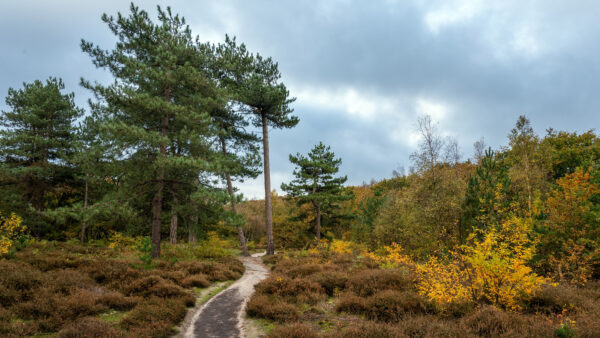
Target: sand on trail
223	315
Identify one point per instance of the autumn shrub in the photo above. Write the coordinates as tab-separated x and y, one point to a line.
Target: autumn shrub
8	296
51	311
116	300
429	326
298	289
569	249
368	282
153	312
303	270
157	328
330	281
492	268
552	299
19	276
197	280
292	331
106	271
223	270
488	321
351	303
367	329
89	328
66	280
272	259
11	229
391	305
262	306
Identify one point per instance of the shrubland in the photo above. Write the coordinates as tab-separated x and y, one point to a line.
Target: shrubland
70	290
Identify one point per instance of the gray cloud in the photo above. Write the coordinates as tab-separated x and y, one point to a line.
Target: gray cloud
362	70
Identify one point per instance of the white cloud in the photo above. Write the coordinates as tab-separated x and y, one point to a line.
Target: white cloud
451	13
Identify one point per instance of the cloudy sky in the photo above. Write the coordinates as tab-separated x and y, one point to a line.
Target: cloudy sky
362	71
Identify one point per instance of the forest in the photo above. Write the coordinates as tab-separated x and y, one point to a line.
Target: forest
120	218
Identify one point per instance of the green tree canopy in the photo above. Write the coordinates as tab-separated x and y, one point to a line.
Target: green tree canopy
314	181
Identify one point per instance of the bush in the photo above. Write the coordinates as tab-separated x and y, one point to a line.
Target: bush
153	312
488	321
262	307
302	270
66	280
116	300
19	276
301	290
330	281
89	328
292	331
197	280
391	306
368	282
351	303
367	329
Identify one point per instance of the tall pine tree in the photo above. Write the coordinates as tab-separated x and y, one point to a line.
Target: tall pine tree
269	101
156	111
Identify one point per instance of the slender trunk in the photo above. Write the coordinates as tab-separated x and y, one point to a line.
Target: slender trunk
194	221
317	207
191	236
528	181
240	231
318	228
267	174
156	214
173	230
160	186
85	205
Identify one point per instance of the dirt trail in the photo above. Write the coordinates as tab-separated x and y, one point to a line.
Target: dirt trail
222	315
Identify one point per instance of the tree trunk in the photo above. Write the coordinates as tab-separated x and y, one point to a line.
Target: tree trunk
267	174
160	186
240	231
318	227
156	214
194	221
173	229
85	205
192	237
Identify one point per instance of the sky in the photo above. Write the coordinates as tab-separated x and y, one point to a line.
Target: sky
362	71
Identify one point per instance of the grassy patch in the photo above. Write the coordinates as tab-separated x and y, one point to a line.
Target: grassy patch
113	316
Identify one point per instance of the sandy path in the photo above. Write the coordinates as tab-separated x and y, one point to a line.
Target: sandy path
222	316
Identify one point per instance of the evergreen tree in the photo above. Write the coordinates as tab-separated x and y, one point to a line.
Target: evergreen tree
269	102
36	140
314	181
487	195
233	63
156	111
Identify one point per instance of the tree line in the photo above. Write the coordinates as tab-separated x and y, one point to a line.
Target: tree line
164	142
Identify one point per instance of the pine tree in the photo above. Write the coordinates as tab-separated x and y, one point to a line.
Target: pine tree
269	101
156	111
233	63
35	143
314	181
487	195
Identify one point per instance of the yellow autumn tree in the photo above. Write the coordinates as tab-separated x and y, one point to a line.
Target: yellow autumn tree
10	231
570	244
492	268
